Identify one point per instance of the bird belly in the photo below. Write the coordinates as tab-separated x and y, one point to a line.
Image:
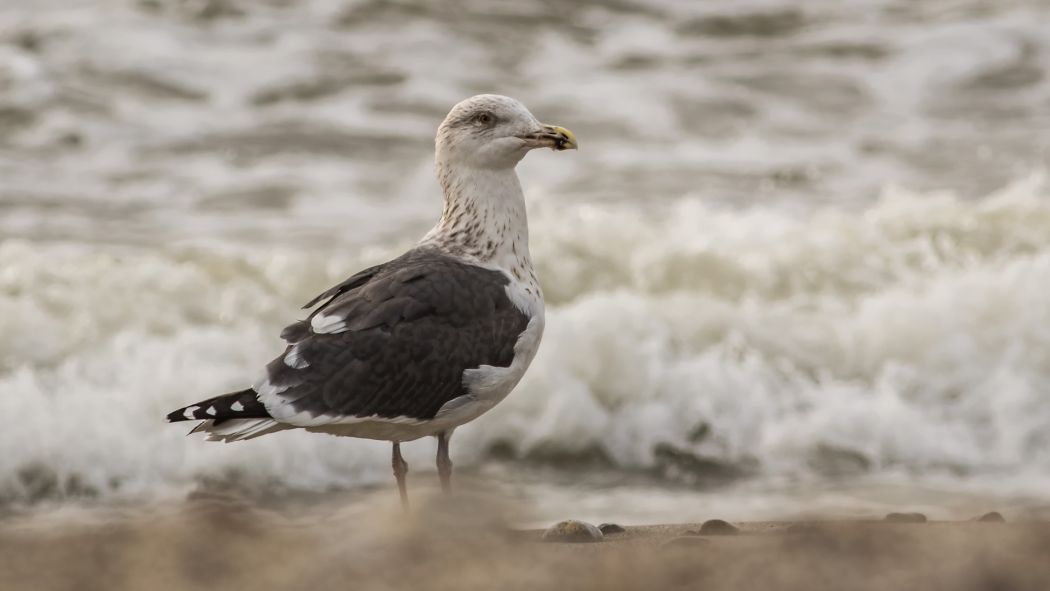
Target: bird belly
454	413
380	429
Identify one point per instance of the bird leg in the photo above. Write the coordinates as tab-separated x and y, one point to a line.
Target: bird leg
444	463
400	470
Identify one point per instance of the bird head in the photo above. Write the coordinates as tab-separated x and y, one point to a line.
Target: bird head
493	131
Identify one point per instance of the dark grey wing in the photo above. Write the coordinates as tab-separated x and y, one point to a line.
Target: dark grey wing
298	331
396	344
355	280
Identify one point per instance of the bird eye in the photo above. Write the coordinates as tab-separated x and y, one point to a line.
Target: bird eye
485	118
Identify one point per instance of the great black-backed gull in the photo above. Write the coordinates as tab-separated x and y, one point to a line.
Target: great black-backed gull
430	340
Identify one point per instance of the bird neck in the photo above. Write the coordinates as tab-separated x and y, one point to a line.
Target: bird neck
484	218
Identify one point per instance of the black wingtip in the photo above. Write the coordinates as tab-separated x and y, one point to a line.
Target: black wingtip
221	408
176	416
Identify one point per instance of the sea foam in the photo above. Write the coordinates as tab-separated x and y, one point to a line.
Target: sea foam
905	337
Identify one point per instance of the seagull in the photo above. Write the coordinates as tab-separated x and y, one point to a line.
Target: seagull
430	340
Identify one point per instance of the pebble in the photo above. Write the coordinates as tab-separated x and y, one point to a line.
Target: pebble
572	531
906	518
686	542
611	528
993	517
718	527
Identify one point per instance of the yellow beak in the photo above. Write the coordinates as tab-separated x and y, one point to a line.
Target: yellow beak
563	138
550	136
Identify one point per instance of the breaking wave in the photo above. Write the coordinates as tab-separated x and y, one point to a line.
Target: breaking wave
907	336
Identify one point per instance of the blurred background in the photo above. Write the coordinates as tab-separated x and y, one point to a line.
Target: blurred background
799	264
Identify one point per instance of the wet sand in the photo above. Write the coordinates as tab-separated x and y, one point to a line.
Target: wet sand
467	543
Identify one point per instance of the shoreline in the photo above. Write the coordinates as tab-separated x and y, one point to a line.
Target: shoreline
468	542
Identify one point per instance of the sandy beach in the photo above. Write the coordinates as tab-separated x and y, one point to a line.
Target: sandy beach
468	542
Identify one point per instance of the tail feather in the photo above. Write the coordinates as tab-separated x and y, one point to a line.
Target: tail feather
239	429
235	405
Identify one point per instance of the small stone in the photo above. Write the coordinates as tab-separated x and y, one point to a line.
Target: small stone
611	528
71	139
718	527
993	517
214	9
28	40
906	518
572	531
686	542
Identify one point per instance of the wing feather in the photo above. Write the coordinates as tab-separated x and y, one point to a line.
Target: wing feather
409	329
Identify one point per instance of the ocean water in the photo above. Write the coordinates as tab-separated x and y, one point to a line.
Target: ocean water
801	245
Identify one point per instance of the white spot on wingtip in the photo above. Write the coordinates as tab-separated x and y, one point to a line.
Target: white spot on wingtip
188	413
210	411
236	407
322	324
294	360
